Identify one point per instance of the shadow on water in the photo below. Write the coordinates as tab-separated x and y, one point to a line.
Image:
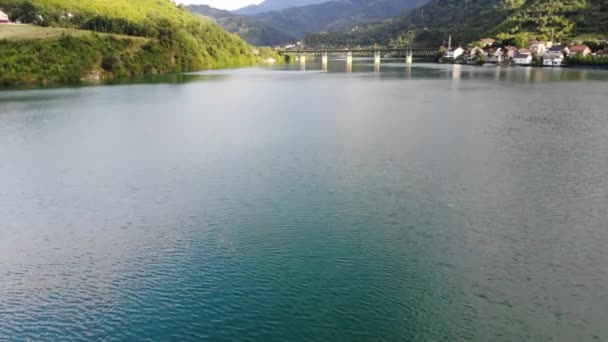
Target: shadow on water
16	94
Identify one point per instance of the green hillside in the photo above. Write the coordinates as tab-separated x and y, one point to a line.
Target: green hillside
290	24
176	40
335	15
518	20
251	29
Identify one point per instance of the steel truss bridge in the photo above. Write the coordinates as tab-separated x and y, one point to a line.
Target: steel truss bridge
405	51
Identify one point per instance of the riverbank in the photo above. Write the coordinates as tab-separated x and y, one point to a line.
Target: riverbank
73	41
69	55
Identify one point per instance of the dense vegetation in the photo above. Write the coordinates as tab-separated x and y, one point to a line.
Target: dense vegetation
517	20
590	60
173	39
251	29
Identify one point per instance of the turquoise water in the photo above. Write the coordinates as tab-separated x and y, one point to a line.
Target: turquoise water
437	203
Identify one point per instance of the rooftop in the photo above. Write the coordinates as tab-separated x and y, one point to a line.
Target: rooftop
578	48
522	55
557	48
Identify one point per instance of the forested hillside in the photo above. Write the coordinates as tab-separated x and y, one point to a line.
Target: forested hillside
287	25
335	15
518	20
175	40
251	29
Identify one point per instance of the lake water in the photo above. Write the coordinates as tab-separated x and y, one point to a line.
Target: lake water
431	203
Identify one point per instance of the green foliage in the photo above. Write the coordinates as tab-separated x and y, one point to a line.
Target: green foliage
266	53
177	41
24	12
513	21
590	60
440	54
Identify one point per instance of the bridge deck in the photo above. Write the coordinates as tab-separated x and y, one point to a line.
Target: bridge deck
415	51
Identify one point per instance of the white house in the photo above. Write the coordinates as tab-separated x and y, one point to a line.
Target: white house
553	61
557	51
487	42
582	50
4	18
454	53
537	47
497	56
522	58
510	51
476	50
555	55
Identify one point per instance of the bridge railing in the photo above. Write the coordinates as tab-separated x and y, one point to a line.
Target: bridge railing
415	51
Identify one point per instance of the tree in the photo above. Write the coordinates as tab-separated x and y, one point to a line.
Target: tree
26	12
441	53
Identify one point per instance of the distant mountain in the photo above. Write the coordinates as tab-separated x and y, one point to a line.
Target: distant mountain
335	15
275	5
512	21
251	29
287	25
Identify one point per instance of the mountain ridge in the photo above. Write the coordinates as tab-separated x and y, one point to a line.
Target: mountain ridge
274	5
516	21
295	22
251	29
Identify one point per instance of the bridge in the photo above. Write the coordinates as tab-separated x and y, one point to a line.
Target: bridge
377	54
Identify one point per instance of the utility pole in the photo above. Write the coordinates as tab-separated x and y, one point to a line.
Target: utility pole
466	5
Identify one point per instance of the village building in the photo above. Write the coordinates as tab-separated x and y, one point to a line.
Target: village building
4	19
476	51
555	56
510	51
579	50
557	51
487	42
497	56
553	61
537	47
523	57
452	53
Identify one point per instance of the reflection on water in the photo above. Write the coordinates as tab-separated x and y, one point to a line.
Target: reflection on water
421	203
397	68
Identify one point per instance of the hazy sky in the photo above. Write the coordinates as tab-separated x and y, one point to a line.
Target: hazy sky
223	4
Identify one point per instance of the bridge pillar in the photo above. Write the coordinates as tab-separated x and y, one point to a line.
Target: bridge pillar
349	61
377	57
324	60
409	57
349	57
302	62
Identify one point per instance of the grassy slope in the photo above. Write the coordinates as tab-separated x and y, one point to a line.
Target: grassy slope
131	10
176	41
33	32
